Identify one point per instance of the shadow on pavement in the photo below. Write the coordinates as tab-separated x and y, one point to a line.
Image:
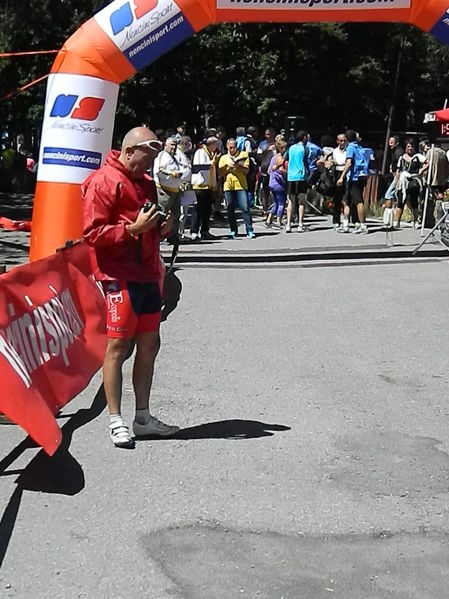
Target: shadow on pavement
60	473
225	429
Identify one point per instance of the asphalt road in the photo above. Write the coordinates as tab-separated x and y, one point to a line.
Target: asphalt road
313	460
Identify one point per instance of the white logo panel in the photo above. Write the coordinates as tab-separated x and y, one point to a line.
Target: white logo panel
77	128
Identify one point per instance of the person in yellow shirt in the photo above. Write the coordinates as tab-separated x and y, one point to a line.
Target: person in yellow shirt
233	168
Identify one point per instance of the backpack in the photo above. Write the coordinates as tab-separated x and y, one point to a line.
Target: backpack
361	162
326	183
370	166
240	142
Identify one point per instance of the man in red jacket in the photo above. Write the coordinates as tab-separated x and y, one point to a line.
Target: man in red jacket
123	228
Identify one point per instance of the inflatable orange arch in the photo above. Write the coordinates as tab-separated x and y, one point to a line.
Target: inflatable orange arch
125	37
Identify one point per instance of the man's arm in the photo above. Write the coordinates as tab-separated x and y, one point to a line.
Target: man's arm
98	228
344	172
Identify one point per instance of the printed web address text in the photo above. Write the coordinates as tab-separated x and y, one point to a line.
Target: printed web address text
156	36
70	157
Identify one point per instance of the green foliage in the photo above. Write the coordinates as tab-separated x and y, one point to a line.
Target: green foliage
333	75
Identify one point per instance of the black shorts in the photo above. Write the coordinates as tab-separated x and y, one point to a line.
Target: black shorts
354	192
411	197
294	188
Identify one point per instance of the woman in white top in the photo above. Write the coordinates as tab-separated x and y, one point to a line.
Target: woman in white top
408	183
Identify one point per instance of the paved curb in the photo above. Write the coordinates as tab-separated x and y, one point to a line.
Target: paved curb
304	255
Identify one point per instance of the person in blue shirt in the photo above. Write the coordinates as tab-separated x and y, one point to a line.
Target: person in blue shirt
314	154
353	177
297	175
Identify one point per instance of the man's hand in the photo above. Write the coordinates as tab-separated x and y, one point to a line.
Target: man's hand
145	221
167	225
340	182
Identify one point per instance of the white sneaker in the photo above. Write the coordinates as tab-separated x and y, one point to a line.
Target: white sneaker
288	228
194	236
119	433
154	427
301	228
396	225
343	230
362	230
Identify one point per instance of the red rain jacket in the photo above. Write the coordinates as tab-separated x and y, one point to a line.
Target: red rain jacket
112	200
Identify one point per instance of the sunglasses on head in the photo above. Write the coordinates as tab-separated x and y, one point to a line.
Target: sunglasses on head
152	144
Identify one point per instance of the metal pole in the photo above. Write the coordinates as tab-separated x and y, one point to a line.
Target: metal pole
393	101
426	197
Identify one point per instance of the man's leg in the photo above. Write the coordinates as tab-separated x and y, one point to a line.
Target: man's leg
336	208
301	210
346	209
358	188
290	206
147	347
230	207
266	195
116	353
206	209
218	201
196	216
242	200
175	207
361	212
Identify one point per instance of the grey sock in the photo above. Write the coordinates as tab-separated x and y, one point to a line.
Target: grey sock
143	416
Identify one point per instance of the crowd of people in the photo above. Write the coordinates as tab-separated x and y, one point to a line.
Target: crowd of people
127	214
279	176
410	169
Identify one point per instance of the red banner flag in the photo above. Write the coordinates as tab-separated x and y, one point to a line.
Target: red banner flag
52	339
15	225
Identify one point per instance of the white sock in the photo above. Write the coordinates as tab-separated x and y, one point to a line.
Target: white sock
346	223
143	416
114	418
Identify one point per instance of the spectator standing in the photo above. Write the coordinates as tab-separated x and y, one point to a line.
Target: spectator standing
171	176
125	241
204	183
188	198
395	151
339	160
233	168
218	200
277	171
265	152
297	175
314	153
250	147
354	174
409	183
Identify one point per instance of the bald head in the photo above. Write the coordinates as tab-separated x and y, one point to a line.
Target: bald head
139	148
136	136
